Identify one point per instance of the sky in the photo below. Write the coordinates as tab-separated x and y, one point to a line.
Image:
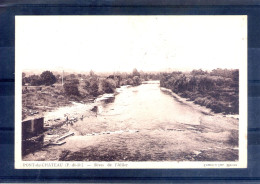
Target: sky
121	43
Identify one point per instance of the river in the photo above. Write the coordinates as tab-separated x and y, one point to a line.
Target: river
144	123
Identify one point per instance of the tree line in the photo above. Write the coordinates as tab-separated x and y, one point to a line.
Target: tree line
79	86
95	85
46	78
217	89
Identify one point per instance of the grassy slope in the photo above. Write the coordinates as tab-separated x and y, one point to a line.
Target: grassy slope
42	98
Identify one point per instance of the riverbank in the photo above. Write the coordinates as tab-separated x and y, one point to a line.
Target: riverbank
39	100
203	109
59	121
217	90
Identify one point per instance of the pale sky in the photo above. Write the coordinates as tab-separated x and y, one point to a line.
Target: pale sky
121	43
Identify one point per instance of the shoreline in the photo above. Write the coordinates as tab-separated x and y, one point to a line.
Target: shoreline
201	108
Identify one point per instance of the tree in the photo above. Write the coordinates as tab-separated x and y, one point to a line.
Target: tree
235	75
135	72
87	84
48	78
91	73
235	78
198	72
35	80
136	81
94	88
23	78
72	76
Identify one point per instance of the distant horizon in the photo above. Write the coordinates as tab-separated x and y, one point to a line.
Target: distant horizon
70	71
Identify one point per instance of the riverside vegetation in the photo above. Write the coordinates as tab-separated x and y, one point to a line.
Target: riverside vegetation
217	90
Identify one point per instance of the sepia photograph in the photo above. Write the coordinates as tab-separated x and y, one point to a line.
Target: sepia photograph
130	91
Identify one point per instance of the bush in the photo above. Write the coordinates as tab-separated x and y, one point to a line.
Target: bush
123	82
60	97
108	86
71	89
92	86
129	81
75	97
75	81
215	108
214	94
235	107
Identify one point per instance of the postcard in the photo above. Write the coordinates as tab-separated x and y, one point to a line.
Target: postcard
130	92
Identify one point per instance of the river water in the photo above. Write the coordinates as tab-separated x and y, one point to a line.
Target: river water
146	106
143	123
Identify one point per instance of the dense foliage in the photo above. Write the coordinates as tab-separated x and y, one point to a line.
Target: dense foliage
46	78
96	85
217	89
92	86
71	89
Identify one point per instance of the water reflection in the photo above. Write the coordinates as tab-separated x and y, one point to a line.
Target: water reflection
108	100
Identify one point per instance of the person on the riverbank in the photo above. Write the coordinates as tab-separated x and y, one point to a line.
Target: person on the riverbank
82	117
95	109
